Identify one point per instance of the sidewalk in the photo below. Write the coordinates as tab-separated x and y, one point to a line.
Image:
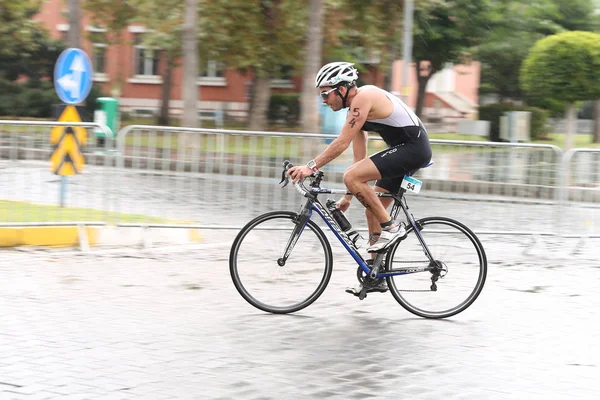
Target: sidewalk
167	323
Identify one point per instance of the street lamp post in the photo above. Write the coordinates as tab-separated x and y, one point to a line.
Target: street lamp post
407	48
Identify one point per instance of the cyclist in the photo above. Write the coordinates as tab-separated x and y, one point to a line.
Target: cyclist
370	109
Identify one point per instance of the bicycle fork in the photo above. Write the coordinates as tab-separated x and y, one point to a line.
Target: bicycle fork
301	221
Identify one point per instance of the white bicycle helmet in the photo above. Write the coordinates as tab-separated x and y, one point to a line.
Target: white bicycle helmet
334	73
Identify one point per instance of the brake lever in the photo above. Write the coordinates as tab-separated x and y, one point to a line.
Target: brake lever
284	178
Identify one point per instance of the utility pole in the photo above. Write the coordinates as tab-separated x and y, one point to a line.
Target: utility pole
312	63
407	48
190	64
74	28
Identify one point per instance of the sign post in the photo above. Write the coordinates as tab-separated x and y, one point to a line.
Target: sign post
72	82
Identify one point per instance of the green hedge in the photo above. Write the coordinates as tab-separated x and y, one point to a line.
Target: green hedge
37	100
284	108
493	112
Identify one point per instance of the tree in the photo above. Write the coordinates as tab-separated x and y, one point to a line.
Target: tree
596	121
312	60
577	14
514	28
74	21
445	33
35	61
17	26
190	64
259	36
164	33
373	40
566	68
115	16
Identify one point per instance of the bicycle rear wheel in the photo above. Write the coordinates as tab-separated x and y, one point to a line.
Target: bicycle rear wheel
262	282
457	271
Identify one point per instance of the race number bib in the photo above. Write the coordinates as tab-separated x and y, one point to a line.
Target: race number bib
411	184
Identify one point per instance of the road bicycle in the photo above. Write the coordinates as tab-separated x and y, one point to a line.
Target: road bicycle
281	261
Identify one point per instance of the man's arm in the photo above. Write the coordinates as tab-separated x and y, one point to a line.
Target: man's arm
350	132
361	104
359	148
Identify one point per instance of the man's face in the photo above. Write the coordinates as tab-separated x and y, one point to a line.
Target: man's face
329	97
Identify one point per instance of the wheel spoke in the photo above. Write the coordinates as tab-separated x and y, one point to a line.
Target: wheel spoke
464	266
287	288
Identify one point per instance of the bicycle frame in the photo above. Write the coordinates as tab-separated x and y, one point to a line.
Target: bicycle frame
314	204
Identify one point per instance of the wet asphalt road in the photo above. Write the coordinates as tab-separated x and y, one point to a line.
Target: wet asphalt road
167	323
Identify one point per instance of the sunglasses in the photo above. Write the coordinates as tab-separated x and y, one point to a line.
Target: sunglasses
325	94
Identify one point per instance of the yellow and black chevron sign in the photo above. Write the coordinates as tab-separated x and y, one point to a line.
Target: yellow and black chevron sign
66	141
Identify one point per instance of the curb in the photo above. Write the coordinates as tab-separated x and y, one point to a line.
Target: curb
86	236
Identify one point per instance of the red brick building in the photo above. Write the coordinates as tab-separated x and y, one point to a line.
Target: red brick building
451	93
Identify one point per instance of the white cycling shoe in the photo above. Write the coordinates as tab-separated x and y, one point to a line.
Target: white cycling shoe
381	288
388	238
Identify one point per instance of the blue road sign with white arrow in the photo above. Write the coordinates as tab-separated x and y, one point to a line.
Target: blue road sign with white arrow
73	76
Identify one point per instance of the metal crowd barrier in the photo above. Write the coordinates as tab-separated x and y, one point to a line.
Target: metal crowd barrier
210	178
31	192
496	187
579	211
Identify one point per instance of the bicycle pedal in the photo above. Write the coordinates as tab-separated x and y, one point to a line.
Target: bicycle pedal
360	294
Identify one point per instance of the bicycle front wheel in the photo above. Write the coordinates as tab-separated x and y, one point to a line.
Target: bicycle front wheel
455	273
257	275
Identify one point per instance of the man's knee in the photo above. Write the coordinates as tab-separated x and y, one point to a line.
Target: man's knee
349	177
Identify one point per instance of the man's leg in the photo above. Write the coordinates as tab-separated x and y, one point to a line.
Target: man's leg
373	224
356	181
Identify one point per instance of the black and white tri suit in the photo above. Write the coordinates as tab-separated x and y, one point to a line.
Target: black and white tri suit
407	140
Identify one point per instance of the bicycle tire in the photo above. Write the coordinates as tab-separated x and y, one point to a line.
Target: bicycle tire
468	258
279	220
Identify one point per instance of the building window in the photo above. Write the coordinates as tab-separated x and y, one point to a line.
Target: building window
285	72
212	69
98	38
212	73
63	32
145	58
99	58
283	77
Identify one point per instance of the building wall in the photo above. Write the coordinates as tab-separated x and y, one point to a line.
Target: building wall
468	78
463	79
230	93
144	92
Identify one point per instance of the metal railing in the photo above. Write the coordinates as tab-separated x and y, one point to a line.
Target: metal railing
579	211
31	192
183	177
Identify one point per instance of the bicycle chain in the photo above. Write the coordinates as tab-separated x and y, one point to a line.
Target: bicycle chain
377	281
411	290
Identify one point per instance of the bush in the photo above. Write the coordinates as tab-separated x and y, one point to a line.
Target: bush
284	108
37	100
539	121
493	112
91	103
9	91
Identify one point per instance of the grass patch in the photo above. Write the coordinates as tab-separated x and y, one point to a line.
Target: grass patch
270	146
457	136
559	140
20	211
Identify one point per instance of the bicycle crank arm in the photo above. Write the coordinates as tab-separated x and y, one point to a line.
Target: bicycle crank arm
376	266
